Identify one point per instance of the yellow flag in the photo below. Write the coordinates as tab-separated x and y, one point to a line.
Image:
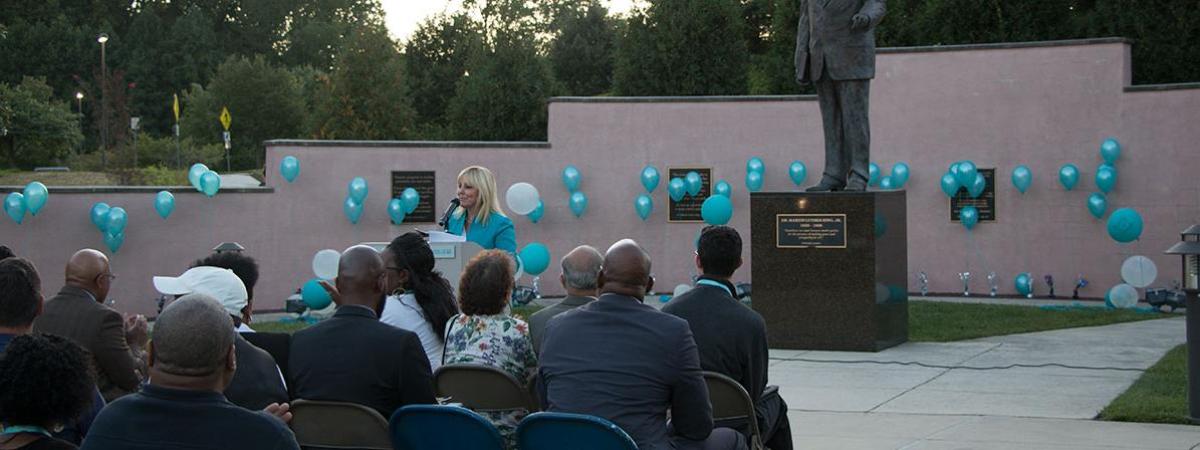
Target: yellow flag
175	107
225	118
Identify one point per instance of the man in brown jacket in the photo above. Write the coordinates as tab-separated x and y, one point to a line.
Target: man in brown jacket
78	313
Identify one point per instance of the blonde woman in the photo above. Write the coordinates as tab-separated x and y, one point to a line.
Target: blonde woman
478	216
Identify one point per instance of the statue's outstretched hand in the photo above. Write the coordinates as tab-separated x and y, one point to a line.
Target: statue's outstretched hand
860	22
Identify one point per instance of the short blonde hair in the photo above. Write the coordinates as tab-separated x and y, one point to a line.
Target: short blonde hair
483	181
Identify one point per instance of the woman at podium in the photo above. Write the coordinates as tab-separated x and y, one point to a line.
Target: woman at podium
478	215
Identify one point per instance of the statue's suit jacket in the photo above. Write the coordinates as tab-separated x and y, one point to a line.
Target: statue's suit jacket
825	40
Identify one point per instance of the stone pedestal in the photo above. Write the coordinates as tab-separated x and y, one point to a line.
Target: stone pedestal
830	269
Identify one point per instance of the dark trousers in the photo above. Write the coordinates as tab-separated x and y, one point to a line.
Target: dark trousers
719	439
773	422
844	114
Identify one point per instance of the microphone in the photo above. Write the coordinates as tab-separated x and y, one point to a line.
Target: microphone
445	221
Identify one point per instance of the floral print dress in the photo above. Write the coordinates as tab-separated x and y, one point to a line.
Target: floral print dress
499	341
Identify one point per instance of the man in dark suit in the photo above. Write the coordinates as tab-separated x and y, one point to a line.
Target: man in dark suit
731	337
580	268
78	313
352	356
622	360
835	50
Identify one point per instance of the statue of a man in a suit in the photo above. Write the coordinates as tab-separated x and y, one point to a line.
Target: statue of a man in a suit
835	50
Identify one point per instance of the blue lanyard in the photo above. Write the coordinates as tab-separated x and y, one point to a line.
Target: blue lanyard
17	429
715	284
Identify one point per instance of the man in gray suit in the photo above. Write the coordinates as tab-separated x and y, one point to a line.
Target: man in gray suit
625	361
835	50
580	268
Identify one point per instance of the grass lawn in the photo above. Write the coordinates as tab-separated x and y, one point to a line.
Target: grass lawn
14	178
523	312
944	322
1159	396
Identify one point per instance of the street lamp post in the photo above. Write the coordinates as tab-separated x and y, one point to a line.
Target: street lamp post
79	110
103	39
1189	249
134	123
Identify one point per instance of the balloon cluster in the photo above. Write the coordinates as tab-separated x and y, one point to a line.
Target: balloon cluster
755	171
963	175
523	199
110	221
643	204
356	194
400	207
896	180
204	180
578	201
30	200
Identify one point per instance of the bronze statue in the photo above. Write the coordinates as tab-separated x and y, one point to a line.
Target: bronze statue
835	50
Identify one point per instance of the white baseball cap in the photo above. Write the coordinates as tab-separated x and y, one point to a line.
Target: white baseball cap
215	282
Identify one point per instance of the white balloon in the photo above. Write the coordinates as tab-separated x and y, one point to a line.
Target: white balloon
522	198
325	264
1123	296
681	289
1139	271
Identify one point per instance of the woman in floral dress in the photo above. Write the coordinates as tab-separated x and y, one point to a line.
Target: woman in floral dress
485	334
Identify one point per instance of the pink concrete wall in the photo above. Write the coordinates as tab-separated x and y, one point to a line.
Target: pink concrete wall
1042	106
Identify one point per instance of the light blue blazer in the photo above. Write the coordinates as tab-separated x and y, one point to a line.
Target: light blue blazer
497	233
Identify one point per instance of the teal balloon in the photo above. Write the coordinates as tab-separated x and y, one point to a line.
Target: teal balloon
797	172
754	181
116	220
210	183
755	164
537	213
352	209
950	184
411	199
887	183
357	189
716	210
650	178
315	296
900	175
164	204
1110	150
966	173
1023	283
36	195
14	205
396	210
578	203
1106	179
1022	177
99	215
723	188
969	216
1068	176
676	188
1108	166
694	183
977	186
289	168
1125	225
194	174
953	169
114	241
571	178
874	175
535	258
644	205
1097	204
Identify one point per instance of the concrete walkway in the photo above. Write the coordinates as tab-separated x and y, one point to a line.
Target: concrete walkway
954	395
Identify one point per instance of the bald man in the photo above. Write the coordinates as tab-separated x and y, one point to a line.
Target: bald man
352	356
625	361
78	313
580	269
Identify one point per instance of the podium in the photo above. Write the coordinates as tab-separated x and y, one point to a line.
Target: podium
449	258
830	269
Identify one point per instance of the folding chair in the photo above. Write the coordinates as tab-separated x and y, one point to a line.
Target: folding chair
439	427
731	403
338	425
556	431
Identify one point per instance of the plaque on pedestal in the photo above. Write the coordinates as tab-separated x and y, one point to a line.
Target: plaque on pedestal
830	269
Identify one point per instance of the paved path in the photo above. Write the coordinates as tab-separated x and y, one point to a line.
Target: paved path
862	400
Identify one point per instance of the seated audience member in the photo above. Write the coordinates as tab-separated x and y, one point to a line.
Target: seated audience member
6	252
78	313
732	338
484	334
580	268
246	269
45	383
625	361
420	300
258	382
192	360
352	356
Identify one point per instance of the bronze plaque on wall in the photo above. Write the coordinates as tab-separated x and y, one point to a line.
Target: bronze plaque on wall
985	203
687	209
810	231
425	182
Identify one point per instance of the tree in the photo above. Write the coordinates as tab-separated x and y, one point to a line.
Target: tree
38	130
435	59
683	47
365	97
317	28
582	53
264	100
